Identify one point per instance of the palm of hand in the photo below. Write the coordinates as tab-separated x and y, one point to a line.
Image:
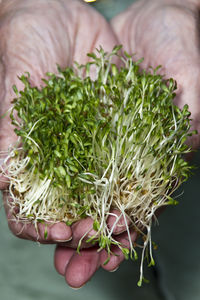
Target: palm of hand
35	37
166	33
47	33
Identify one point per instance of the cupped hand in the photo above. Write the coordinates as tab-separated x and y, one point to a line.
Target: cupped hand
35	37
78	268
166	32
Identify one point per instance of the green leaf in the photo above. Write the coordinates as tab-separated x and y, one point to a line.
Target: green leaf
45	232
68	180
62	171
96	225
152	263
57	153
69	223
116	49
106	261
15	90
92	55
125	251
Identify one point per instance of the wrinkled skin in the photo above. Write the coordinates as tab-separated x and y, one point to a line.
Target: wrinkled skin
35	36
166	33
157	30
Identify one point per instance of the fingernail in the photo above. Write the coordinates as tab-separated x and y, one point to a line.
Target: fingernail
119	232
64	241
73	288
114	270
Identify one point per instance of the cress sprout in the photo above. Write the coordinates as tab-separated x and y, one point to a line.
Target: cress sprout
87	146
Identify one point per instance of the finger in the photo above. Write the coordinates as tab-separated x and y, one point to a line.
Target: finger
82	267
56	233
117	223
4	182
61	258
93	28
43	233
82	231
116	257
7	138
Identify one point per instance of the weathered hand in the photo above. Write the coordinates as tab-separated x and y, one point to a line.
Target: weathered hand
78	268
35	36
154	30
163	32
166	32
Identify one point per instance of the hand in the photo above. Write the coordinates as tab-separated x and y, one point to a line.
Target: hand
158	31
79	268
35	36
166	32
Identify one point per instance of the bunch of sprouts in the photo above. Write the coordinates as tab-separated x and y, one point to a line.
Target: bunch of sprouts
87	146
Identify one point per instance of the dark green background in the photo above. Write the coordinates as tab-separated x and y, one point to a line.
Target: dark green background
26	268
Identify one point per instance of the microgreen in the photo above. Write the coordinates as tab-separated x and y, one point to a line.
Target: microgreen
89	145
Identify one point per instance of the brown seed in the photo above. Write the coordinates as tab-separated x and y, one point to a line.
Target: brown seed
152	174
144	192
